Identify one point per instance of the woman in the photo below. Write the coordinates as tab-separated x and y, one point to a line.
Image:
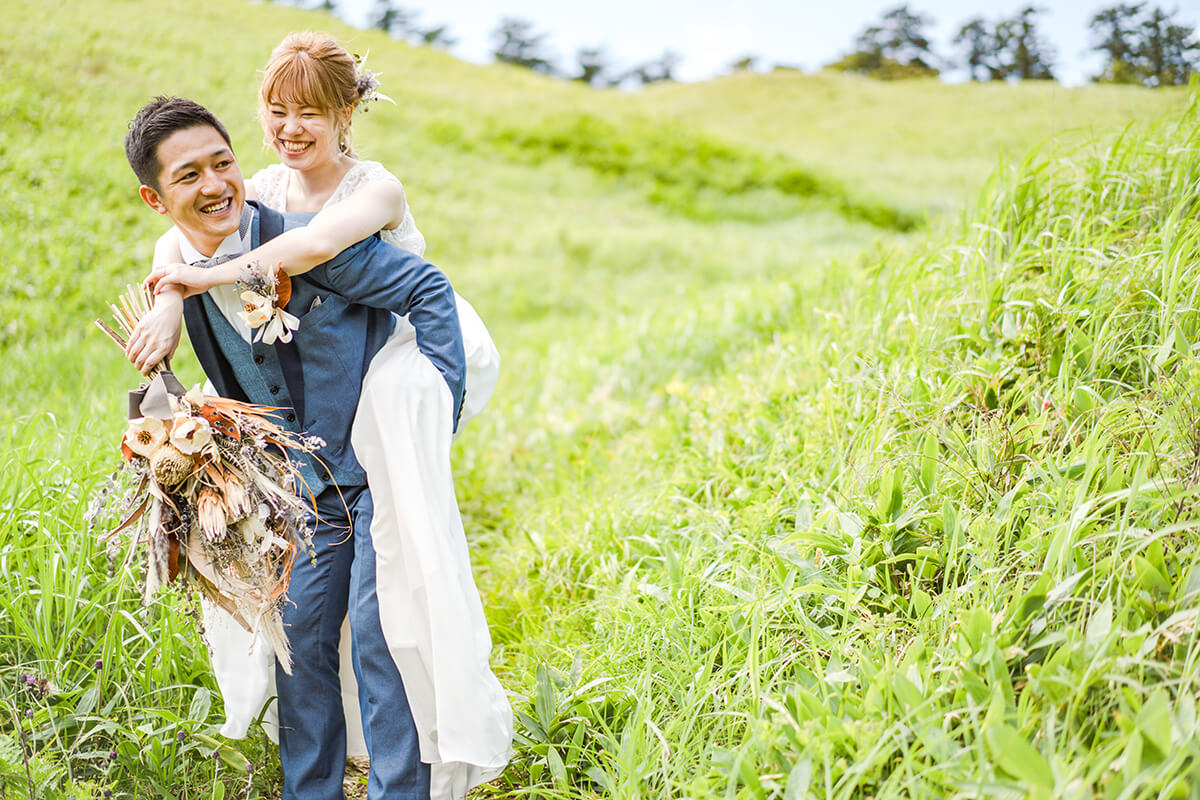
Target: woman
430	610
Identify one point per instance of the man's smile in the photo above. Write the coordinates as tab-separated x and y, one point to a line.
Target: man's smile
217	208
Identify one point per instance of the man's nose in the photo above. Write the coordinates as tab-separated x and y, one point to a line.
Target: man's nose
210	182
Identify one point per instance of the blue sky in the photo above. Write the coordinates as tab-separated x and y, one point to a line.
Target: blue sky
709	35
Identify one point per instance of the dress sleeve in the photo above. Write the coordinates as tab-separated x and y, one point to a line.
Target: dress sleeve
405	235
269	185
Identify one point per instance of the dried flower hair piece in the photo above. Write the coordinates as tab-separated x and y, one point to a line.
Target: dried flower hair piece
367	85
265	292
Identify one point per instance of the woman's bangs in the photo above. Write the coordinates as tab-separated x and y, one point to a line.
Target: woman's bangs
297	81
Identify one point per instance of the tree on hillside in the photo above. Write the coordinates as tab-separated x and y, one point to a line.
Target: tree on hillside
1009	48
516	43
895	47
656	70
1168	51
325	5
979	47
594	67
1029	55
1114	33
1144	45
437	36
744	64
392	19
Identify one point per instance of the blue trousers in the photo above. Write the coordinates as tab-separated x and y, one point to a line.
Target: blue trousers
312	727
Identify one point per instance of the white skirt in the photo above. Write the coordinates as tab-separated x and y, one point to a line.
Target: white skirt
430	610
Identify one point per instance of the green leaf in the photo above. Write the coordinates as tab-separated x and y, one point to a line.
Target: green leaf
229	755
1154	721
1018	757
557	769
543	701
87	701
1149	577
798	780
600	777
929	463
1099	626
201	702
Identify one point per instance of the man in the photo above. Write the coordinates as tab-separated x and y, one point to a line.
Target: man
184	160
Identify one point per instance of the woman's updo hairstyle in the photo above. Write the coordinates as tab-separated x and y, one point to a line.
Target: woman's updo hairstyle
311	69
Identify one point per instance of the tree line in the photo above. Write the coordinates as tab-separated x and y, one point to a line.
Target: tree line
1141	44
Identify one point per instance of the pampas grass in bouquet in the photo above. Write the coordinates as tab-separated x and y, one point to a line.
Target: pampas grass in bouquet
208	489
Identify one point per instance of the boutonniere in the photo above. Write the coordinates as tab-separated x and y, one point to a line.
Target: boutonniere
265	292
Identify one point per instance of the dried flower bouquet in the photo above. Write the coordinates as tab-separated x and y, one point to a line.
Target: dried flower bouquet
211	491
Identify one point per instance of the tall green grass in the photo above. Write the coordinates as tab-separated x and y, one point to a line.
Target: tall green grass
771	502
935	535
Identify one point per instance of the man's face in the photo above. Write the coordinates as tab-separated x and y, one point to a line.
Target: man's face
201	186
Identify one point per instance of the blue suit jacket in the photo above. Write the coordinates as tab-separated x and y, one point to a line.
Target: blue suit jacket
359	290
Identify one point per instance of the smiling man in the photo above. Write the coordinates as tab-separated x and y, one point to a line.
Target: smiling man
184	160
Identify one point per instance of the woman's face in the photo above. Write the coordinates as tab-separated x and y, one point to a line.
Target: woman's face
304	137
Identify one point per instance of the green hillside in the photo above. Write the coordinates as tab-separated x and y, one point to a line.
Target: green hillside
822	463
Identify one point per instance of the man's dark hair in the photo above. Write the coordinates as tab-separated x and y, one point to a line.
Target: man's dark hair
157	120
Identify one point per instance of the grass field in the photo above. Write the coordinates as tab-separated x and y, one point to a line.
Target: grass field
845	446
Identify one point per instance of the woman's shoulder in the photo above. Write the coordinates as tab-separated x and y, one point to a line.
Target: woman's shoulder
373	171
269	183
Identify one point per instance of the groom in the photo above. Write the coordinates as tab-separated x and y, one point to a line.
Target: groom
183	157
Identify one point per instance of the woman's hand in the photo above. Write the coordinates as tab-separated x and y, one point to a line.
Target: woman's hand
157	335
183	278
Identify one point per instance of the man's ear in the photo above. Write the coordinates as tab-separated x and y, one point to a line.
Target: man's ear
152	198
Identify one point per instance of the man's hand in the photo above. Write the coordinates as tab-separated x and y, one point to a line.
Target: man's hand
157	335
183	278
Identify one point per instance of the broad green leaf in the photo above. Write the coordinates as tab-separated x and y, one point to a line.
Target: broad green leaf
929	463
201	702
1154	721
543	702
1099	626
230	756
558	770
798	780
1017	757
87	701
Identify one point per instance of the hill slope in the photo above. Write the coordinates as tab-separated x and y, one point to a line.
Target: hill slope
775	492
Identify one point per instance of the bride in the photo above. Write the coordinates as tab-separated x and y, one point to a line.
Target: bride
430	609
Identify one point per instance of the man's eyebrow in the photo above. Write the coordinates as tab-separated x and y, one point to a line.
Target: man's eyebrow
223	151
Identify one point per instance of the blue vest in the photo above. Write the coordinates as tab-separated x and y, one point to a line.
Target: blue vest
316	380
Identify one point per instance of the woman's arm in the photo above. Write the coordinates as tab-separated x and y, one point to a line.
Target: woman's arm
373	206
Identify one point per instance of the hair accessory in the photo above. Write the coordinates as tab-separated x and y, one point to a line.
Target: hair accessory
368	84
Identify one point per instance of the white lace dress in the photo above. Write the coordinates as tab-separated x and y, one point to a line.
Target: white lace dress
430	610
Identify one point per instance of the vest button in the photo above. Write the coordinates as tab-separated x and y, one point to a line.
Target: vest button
291	417
258	359
274	390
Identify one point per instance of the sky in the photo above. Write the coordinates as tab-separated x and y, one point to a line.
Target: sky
710	35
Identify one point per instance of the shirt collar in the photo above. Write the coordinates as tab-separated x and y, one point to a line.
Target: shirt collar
234	245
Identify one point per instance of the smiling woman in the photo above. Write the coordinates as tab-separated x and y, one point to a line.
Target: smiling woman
430	614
